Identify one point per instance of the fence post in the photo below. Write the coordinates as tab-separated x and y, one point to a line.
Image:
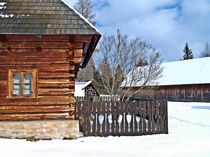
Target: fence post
166	116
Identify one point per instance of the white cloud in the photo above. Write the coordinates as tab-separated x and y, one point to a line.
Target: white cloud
166	29
166	24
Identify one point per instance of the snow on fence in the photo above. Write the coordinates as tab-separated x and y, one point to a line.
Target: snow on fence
105	118
101	98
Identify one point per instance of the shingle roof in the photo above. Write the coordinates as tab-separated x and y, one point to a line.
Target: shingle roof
41	17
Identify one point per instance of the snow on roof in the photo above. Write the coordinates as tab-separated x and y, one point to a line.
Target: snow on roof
82	17
79	88
193	71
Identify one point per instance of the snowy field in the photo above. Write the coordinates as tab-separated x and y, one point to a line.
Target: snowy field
189	136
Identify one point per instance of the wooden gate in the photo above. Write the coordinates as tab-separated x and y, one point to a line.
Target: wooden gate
122	118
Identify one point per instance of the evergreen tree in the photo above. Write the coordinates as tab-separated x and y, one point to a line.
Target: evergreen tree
206	51
187	52
85	7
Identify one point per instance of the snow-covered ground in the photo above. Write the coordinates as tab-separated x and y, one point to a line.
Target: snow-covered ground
189	136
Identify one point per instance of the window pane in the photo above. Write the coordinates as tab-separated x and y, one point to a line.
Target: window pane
27	84
16	85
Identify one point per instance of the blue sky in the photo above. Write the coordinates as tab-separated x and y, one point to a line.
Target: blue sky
166	24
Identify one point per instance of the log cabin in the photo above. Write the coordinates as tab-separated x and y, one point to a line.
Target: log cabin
187	80
43	44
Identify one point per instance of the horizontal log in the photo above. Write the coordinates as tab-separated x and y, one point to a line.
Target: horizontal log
45	68
54	92
48	53
54	98
16	117
3	83
53	81
35	44
78	53
36	109
35	103
54	68
32	60
50	38
77	60
3	76
77	45
53	85
43	75
3	95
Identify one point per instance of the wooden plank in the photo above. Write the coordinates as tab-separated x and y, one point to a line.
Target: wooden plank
46	68
136	117
78	53
3	83
53	81
32	52
157	117
32	108
166	116
162	117
54	85
108	118
35	44
126	122
131	109
16	117
33	103
153	113
54	98
33	60
141	107
144	118
89	107
98	112
94	117
54	91
45	75
117	118
104	121
150	116
114	119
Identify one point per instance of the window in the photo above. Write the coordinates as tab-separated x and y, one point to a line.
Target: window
22	83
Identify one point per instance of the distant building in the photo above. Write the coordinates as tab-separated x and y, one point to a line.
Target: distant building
86	74
187	80
85	90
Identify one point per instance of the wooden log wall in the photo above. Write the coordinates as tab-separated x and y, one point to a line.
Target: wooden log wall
56	58
199	92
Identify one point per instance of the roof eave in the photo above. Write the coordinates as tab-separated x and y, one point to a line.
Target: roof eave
90	49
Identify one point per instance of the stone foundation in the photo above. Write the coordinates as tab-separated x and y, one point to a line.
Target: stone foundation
46	129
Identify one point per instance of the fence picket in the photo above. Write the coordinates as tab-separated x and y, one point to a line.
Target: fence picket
149	117
113	119
94	118
153	113
144	118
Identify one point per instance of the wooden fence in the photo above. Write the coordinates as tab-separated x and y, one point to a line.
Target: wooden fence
122	118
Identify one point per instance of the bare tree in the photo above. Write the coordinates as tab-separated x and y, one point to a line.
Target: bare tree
121	65
206	51
85	8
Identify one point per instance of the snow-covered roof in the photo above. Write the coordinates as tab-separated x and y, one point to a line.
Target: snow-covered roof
193	71
79	88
